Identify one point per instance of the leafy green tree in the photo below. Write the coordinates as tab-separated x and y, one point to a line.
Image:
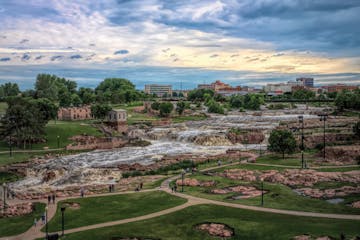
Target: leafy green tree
24	121
198	94
180	107
46	86
76	100
9	90
155	106
215	107
117	90
348	100
174	94
236	101
282	141
253	101
87	95
181	95
165	109
47	108
99	111
303	94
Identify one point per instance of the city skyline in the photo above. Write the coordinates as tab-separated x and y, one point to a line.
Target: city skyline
239	42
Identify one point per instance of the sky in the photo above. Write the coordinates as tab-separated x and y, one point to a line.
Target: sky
183	43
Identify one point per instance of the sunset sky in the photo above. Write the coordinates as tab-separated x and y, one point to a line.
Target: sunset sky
247	42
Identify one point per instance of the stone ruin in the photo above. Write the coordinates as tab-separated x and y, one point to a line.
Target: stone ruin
17	209
195	183
216	229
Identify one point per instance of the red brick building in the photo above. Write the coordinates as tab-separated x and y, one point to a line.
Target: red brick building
74	113
340	87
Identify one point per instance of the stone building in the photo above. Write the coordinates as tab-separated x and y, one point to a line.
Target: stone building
117	119
74	113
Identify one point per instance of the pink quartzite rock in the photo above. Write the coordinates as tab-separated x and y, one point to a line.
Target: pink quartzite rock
216	229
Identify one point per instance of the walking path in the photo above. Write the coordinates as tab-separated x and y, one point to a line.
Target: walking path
35	232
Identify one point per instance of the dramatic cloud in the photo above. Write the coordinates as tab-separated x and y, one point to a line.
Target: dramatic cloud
278	37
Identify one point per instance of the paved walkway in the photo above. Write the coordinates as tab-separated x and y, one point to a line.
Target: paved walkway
35	232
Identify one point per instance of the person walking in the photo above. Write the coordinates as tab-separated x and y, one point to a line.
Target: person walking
49	199
53	198
175	188
141	185
35	222
113	187
110	188
82	192
43	218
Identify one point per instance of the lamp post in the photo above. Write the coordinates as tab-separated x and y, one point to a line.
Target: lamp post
262	192
62	219
302	148
58	141
323	118
46	222
4	196
182	180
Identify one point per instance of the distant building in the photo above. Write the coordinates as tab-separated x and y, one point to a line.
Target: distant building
339	88
158	89
306	82
218	86
117	118
278	88
74	113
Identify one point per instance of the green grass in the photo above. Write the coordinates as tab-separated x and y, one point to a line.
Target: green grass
290	160
103	209
279	196
179	119
338	169
247	225
327	185
8	177
16	225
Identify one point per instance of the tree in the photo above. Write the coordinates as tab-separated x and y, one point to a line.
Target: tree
47	108
75	100
174	94
87	95
253	101
99	111
165	109
236	101
198	94
117	90
155	106
356	129
180	107
24	121
215	107
282	141
9	90
303	94
46	86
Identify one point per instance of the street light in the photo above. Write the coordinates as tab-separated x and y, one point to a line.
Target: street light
4	193
182	180
302	148
62	219
46	222
262	192
58	141
323	118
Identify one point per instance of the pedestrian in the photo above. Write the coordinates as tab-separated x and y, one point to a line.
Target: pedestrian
113	187
82	192
49	199
43	219
110	188
175	188
53	198
141	185
172	189
35	222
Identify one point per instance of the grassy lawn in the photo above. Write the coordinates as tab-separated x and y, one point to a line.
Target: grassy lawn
279	196
17	225
338	169
63	129
8	177
247	225
179	119
103	209
290	160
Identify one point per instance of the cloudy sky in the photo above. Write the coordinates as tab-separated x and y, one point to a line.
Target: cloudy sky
248	42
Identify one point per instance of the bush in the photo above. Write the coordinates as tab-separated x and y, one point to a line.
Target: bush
215	107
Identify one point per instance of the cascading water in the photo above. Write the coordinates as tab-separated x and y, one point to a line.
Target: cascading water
173	140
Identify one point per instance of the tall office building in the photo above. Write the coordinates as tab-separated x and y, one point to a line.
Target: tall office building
307	82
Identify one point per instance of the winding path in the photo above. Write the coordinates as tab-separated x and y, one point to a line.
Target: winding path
35	232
